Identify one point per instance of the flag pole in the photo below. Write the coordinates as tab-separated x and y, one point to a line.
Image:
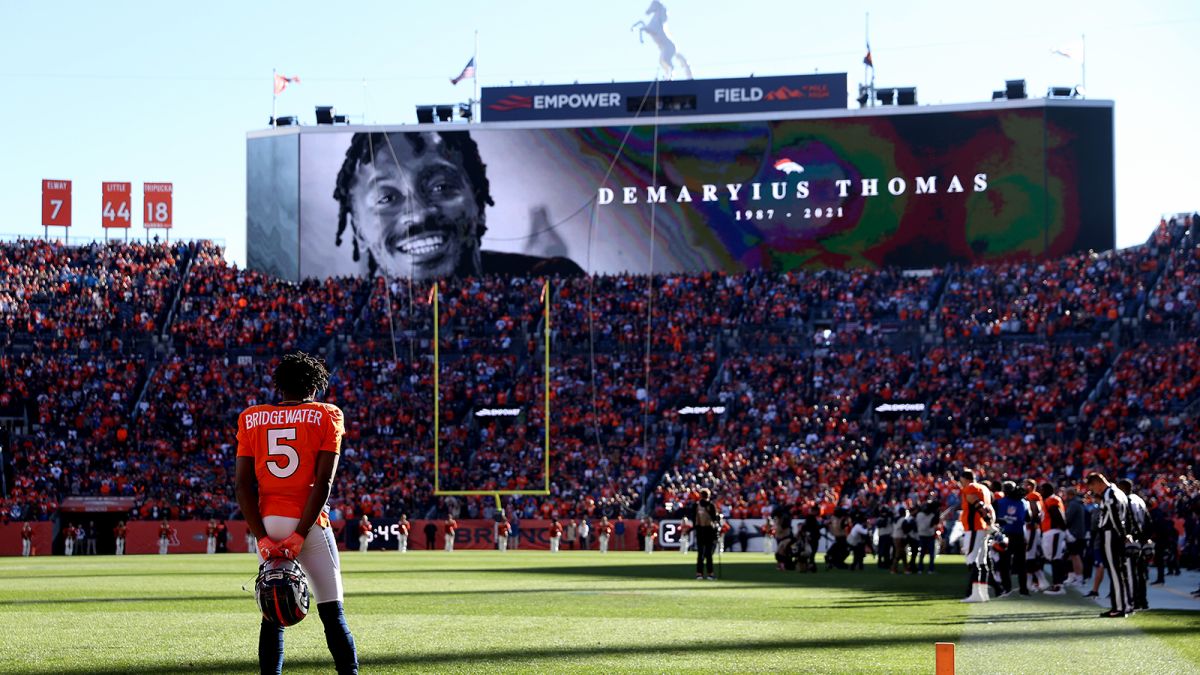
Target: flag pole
273	97
1083	63
871	97
867	33
475	81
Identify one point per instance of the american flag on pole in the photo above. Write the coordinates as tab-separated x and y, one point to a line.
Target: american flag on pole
468	71
282	81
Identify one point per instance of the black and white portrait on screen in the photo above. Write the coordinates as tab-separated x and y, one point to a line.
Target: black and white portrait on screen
414	205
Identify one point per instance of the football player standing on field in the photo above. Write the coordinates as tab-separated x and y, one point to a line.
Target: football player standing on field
286	459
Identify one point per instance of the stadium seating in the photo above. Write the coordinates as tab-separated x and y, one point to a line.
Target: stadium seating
128	364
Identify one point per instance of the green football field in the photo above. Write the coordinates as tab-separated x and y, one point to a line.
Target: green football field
475	611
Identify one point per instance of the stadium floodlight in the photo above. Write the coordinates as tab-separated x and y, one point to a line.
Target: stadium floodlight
906	96
445	113
1080	92
466	111
886	95
289	121
1014	89
324	114
864	95
424	114
340	119
1060	92
998	95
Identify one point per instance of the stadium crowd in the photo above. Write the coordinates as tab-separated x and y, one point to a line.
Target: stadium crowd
1048	369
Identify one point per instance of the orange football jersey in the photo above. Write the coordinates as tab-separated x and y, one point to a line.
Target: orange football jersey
972	518
1052	503
284	441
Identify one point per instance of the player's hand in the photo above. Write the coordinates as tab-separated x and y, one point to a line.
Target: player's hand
267	548
290	547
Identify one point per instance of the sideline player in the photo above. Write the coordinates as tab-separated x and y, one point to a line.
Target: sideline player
1033	537
286	460
1054	538
977	519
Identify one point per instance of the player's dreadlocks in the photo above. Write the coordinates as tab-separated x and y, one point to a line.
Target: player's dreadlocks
457	145
300	374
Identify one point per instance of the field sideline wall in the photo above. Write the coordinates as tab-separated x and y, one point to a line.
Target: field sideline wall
189	536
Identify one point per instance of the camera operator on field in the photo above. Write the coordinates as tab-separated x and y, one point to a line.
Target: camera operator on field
706	519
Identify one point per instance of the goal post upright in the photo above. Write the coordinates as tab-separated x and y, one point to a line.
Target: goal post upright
546	384
437	392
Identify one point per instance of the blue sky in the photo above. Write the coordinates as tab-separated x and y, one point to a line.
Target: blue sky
157	91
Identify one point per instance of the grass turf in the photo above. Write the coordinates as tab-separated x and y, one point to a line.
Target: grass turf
476	611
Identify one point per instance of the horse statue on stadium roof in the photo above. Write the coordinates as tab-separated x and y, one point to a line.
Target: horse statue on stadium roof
657	29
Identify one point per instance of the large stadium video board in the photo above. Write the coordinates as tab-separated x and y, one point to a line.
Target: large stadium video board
918	188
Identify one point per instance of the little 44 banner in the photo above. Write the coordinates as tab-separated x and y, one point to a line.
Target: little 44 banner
157	199
116	205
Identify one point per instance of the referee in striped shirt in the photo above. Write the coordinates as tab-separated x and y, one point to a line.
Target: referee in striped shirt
1114	535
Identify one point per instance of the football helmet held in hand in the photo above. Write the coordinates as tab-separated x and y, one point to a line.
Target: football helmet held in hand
281	591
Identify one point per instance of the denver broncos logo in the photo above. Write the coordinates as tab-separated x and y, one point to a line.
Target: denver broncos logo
788	166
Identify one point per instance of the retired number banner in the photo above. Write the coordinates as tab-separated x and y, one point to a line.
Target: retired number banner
116	205
56	203
158	207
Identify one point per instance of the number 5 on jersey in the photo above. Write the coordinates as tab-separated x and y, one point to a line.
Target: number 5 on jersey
275	448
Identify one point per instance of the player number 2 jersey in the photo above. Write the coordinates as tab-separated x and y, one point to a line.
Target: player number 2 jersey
284	441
